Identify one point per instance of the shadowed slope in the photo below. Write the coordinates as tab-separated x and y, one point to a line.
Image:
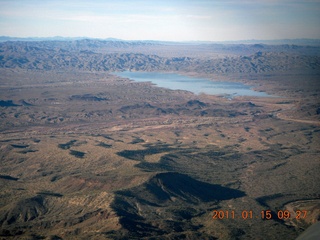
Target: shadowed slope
168	201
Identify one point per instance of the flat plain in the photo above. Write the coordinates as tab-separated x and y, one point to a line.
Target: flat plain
89	155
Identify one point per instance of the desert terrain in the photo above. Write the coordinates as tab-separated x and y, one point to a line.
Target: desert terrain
89	155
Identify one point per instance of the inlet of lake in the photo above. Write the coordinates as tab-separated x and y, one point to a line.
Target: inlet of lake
196	85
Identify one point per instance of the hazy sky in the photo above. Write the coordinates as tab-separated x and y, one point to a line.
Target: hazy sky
214	20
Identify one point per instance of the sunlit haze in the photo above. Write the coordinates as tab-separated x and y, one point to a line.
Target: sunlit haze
174	20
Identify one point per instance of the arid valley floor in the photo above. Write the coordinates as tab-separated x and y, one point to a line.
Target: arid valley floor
85	154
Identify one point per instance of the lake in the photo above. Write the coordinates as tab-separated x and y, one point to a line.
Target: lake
196	85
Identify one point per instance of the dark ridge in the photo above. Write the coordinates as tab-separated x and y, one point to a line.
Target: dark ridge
67	145
37	237
166	163
19	145
137	140
8	103
138	155
27	151
284	102
196	103
139	228
55	178
24	103
106	136
258	46
278	165
52	194
189	189
263	200
102	144
7	177
77	154
55	237
87	97
244	104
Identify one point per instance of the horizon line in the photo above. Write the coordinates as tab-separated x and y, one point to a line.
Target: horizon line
157	40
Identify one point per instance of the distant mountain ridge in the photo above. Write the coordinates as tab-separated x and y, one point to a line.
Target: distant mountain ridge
299	41
100	55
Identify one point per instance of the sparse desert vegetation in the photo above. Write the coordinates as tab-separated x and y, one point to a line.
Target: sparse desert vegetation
88	155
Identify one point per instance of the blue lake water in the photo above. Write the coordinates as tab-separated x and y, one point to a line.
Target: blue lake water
196	85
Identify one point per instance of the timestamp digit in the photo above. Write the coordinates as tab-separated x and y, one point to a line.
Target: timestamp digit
246	214
266	214
215	214
230	214
221	214
301	214
283	214
286	214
